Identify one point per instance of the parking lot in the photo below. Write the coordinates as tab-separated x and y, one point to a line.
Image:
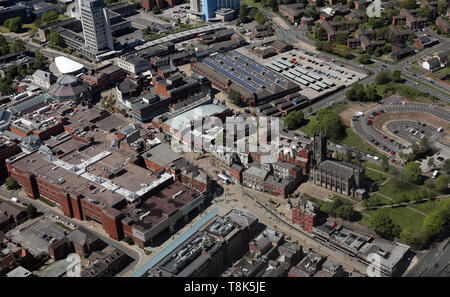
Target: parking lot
413	131
365	126
177	12
37	235
315	75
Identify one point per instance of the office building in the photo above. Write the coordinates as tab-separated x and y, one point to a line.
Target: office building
96	26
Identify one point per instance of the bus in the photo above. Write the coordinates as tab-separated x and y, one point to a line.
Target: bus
223	179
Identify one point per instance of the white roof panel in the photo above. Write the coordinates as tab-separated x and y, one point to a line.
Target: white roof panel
66	65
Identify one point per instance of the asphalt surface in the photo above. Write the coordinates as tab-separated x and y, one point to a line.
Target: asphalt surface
434	263
373	135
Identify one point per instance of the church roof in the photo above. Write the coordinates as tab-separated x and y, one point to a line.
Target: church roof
340	168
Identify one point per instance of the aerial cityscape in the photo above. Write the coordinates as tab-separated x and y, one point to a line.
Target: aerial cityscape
225	139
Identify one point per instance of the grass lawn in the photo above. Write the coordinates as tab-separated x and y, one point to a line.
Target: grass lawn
46	202
355	141
381	199
335	196
402	216
378	178
426	207
390	190
373	166
365	220
443	72
3	29
252	3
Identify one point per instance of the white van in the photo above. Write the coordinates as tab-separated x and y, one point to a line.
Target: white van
435	173
14	199
440	129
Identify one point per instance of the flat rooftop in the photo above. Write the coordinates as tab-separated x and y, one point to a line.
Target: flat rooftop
128	175
160	205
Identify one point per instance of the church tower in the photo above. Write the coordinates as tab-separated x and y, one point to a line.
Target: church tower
319	148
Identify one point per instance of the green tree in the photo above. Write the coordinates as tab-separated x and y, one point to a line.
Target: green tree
17	46
54	38
430	162
243	12
412	172
156	10
383	77
260	17
446	166
396	75
31	211
342	50
4	47
48	17
429	183
426	12
385	162
341	39
356	93
330	122
235	97
128	239
351	4
378	52
408	4
441	183
294	120
437	221
442	7
11	183
14	24
371	93
383	225
365	59
5	88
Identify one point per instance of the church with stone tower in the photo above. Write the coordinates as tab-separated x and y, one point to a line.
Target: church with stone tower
338	176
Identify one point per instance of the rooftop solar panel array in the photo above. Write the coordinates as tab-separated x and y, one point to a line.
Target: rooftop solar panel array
244	71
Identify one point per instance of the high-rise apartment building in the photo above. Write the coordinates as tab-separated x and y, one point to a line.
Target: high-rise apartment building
96	26
207	8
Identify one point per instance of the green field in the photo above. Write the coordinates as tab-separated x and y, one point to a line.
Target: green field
373	166
252	3
365	220
426	207
378	178
381	199
402	216
355	141
390	190
443	72
47	202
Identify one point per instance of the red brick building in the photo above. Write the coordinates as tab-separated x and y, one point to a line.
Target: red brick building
149	4
304	214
